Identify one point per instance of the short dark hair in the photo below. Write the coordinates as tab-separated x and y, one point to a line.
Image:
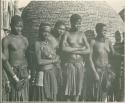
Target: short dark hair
117	33
99	27
42	25
59	23
75	17
14	20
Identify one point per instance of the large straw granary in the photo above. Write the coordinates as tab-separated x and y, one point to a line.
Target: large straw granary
92	12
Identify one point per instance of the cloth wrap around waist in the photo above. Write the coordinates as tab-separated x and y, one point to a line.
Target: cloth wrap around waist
106	76
21	71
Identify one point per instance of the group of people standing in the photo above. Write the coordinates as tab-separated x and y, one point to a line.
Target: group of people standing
62	58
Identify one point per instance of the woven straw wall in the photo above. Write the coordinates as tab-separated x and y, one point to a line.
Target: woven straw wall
92	12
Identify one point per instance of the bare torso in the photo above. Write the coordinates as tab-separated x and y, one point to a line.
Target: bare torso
75	40
101	52
17	46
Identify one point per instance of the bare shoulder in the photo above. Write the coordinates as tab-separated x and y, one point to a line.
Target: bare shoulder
6	39
37	43
52	38
108	41
92	42
25	38
81	34
67	33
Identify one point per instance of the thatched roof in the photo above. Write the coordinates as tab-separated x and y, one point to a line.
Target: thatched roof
92	12
122	14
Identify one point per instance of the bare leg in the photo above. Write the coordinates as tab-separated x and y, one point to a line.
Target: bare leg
68	98
104	97
54	99
75	98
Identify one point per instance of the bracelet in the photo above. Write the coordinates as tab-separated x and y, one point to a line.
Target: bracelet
29	76
16	78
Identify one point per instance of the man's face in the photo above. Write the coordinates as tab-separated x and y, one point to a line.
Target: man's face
46	32
76	25
118	37
104	31
61	29
18	27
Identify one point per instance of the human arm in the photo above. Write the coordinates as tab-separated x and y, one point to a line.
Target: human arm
91	61
84	50
65	45
5	58
7	82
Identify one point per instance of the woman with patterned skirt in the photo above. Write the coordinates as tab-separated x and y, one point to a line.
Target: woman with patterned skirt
46	82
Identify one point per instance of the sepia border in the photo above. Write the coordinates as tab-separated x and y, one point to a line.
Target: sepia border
46	101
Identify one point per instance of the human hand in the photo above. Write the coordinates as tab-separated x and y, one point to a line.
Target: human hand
16	78
32	81
81	48
29	76
97	76
7	86
20	84
56	59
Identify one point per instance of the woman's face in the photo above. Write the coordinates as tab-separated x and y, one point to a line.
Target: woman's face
76	25
104	31
18	27
46	32
61	29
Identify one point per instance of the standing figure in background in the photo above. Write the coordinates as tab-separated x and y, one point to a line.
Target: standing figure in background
117	65
101	48
123	71
14	48
75	46
89	95
46	81
58	32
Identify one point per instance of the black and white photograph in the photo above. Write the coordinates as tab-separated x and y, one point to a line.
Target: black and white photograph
62	51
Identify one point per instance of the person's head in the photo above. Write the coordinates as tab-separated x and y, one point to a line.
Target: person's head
90	35
75	21
16	25
59	28
44	30
101	29
118	36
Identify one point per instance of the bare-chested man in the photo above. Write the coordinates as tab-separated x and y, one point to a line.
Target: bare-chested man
14	48
75	45
101	48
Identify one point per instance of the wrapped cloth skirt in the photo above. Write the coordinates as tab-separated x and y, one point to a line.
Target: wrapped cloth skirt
73	78
50	84
21	94
106	77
